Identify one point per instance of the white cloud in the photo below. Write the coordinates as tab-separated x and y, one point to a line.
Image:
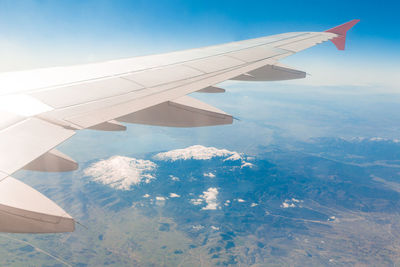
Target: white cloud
290	203
286	205
160	201
173	195
174	178
210	174
197	201
199	152
197	227
121	172
210	197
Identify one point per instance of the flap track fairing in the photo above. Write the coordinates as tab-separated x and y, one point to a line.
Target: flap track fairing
182	112
275	72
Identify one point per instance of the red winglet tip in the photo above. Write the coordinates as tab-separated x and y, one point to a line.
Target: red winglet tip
341	30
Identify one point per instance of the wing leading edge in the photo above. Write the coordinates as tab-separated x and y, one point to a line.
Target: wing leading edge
40	109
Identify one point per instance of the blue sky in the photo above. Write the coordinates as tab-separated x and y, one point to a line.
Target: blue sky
46	33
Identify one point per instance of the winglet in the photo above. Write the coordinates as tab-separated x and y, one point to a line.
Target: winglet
341	30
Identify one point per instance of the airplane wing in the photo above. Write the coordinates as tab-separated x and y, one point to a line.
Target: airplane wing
39	109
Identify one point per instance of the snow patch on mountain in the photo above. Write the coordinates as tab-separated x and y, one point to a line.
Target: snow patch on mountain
198	152
121	172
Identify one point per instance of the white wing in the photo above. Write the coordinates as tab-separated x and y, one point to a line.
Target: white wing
40	109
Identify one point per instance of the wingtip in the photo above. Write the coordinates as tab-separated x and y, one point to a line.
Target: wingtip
341	31
343	28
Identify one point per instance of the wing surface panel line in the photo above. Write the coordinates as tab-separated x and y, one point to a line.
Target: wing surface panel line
162	66
188	80
163	96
